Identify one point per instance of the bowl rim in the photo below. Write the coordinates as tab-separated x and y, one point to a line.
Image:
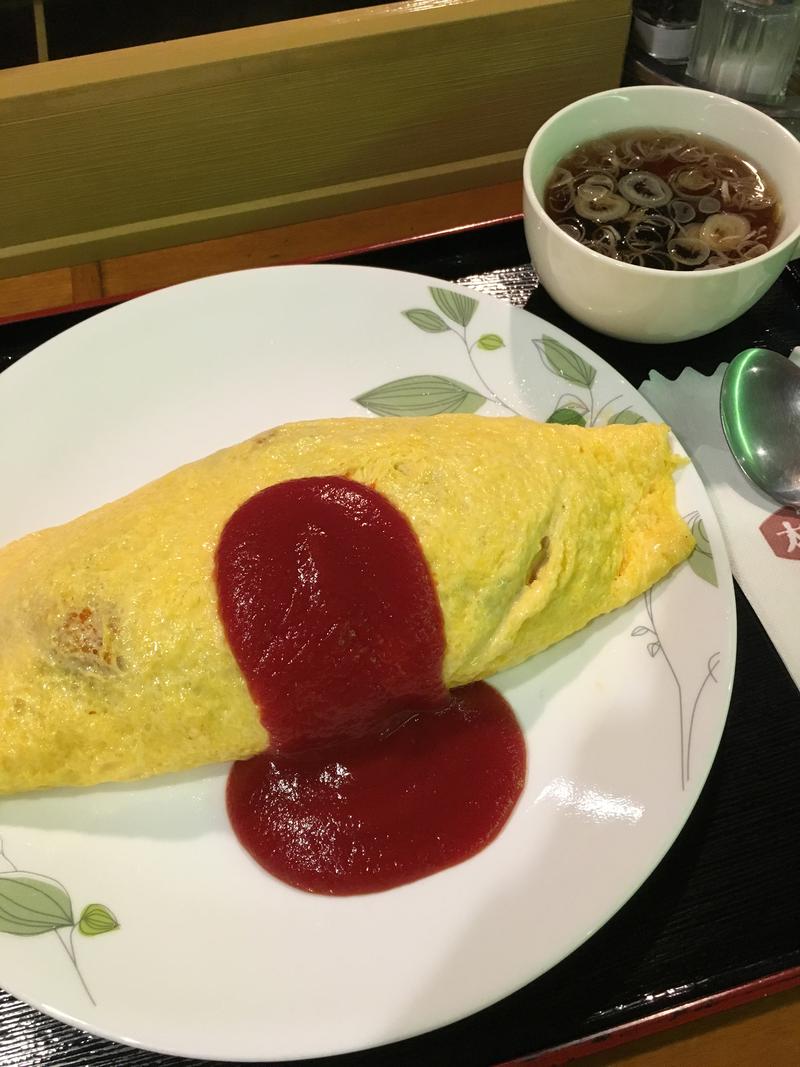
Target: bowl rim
791	241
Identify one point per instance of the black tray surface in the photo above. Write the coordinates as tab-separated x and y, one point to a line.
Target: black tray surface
723	908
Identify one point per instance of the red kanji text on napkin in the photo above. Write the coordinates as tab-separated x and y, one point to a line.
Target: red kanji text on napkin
782	533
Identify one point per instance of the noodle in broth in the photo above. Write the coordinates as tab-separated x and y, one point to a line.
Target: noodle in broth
664	199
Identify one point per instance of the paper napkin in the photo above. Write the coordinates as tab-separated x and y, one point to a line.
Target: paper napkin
763	540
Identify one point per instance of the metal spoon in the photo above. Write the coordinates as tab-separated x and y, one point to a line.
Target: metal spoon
760	410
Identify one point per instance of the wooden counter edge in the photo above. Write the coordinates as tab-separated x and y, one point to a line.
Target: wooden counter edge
707	1024
106	281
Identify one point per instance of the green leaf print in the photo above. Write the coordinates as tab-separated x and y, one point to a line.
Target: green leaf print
32	904
427	320
421	394
626	417
456	306
490	342
701	560
566	363
97	919
567	417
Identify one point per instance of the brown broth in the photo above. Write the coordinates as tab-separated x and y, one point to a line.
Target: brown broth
662	220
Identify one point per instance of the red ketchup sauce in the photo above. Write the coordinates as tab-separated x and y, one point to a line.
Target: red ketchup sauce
375	775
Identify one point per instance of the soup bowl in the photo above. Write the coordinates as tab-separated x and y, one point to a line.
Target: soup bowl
644	304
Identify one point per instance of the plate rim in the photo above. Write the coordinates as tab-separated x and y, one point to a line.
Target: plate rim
689	801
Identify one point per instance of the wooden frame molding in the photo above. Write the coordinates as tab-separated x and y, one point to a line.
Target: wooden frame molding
110	280
165	144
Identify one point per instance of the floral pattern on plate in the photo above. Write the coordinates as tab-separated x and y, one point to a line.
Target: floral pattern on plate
33	904
209	363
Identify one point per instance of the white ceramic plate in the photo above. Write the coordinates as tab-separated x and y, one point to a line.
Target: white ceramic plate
213	958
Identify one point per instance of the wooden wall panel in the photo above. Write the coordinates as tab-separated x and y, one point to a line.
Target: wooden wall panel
164	144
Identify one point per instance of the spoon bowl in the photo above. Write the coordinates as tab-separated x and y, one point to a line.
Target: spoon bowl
760	412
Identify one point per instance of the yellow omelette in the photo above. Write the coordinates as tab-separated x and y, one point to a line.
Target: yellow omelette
113	660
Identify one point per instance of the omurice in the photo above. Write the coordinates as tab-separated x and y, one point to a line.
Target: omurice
116	659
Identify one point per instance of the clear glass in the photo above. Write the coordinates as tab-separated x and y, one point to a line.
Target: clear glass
746	48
